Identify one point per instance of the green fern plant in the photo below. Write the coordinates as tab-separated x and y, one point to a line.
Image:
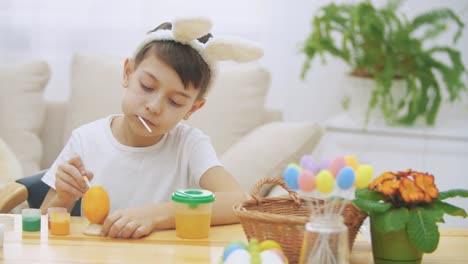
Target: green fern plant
380	44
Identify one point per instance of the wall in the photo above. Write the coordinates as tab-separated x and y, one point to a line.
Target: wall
54	29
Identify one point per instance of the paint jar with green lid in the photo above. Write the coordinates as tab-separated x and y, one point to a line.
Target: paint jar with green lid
31	219
192	209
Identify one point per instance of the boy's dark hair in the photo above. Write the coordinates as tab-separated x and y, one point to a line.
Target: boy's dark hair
185	60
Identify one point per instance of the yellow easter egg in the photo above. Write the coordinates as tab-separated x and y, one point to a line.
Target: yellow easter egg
96	204
325	182
364	176
269	244
351	161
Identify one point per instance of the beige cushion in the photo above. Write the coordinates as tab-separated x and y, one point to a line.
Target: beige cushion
235	104
22	110
96	89
234	107
10	167
267	150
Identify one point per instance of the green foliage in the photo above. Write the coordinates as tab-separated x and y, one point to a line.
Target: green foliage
370	195
380	44
453	193
435	209
394	220
450	209
372	206
422	230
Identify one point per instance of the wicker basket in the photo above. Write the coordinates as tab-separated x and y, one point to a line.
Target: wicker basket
283	218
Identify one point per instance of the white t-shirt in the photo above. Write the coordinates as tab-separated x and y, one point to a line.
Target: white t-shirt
137	176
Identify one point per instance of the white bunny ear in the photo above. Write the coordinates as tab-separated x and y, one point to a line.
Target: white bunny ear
188	29
228	48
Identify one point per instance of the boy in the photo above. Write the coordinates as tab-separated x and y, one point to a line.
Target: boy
139	166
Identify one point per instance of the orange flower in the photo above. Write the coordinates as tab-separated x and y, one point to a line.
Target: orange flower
384	177
412	186
389	187
425	181
405	173
410	192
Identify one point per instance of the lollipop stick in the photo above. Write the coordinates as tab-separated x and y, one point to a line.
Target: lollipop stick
144	124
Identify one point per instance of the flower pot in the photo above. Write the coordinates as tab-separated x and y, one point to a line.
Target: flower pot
393	247
357	94
358	91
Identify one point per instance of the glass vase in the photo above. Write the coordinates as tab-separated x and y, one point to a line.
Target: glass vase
325	241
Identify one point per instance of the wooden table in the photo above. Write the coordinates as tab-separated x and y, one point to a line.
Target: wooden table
165	247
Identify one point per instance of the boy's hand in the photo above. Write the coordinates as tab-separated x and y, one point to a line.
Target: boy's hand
69	182
129	223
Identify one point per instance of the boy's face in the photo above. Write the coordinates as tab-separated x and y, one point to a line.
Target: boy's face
156	93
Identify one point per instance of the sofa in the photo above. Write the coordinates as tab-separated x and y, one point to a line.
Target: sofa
252	142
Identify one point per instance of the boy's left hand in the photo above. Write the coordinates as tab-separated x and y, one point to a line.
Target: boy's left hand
129	223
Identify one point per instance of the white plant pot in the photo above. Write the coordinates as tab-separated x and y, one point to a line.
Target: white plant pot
358	91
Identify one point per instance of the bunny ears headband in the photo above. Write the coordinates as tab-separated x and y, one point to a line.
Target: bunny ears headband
188	30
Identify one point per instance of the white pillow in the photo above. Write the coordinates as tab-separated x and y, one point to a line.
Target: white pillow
267	150
235	104
96	89
10	167
22	110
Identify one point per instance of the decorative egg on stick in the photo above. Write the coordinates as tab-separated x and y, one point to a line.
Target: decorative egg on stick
364	176
331	184
96	206
326	179
336	165
254	252
291	175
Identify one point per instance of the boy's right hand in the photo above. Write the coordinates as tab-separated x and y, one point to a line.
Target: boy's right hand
69	182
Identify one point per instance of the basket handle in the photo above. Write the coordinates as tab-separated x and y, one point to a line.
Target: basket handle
275	181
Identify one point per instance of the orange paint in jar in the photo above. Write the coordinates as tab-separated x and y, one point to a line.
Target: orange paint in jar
193	225
52	210
193	212
60	223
